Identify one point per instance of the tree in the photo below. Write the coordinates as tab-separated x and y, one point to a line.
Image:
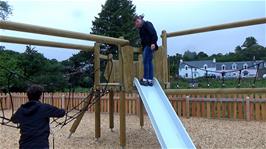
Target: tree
5	10
238	49
188	56
174	63
116	20
80	69
249	42
8	61
202	55
32	62
37	68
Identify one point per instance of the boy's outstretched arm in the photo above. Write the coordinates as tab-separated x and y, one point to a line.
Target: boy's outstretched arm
14	118
51	111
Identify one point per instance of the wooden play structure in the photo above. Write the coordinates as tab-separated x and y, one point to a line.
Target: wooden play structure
123	70
122	73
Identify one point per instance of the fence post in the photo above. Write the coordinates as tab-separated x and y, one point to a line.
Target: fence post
247	108
8	101
187	107
63	101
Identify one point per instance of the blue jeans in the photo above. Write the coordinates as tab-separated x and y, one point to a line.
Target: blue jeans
147	62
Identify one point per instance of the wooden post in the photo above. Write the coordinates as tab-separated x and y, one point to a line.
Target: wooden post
247	108
140	75
127	70
187	107
122	111
111	110
141	115
122	119
98	116
140	66
96	83
165	60
80	116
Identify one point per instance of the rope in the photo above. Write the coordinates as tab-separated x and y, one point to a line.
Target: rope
91	101
68	118
255	78
223	73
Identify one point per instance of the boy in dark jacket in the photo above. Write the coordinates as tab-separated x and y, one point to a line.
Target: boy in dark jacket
33	119
149	39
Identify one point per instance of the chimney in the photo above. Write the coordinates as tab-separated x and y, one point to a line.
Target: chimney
214	60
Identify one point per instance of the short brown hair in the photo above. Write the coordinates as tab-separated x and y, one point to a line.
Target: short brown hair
34	92
138	17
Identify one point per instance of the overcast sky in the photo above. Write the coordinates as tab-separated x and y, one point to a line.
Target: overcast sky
169	15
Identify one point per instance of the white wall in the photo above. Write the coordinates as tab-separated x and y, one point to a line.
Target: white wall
196	73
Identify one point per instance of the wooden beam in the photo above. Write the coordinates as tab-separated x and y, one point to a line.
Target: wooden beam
60	33
109	84
80	116
105	57
122	108
96	83
35	42
218	27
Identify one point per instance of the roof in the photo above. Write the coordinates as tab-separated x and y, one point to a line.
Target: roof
198	64
239	65
218	65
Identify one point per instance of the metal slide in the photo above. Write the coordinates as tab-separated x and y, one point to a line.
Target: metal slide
168	128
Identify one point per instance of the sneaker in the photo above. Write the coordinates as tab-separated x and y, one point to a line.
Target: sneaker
144	83
150	83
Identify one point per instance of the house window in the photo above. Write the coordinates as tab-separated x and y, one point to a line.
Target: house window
186	67
195	69
186	75
195	75
245	66
205	66
234	66
223	67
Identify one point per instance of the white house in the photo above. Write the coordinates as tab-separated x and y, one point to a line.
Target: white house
195	69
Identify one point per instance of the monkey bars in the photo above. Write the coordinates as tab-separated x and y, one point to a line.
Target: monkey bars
17	40
60	33
218	27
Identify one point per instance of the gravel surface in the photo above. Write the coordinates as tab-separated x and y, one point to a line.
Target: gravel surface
205	133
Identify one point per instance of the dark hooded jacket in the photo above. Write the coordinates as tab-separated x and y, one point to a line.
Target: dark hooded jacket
33	119
148	34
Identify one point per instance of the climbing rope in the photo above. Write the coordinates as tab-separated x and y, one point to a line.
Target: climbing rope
68	118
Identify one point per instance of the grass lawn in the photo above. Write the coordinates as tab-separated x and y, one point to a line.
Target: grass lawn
217	83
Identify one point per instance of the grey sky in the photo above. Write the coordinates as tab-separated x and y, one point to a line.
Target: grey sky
171	15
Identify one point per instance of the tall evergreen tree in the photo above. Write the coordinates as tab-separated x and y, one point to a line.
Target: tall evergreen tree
5	10
116	20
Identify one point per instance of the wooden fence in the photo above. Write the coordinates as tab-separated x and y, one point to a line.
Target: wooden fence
211	104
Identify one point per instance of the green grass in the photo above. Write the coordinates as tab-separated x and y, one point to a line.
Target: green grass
216	83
